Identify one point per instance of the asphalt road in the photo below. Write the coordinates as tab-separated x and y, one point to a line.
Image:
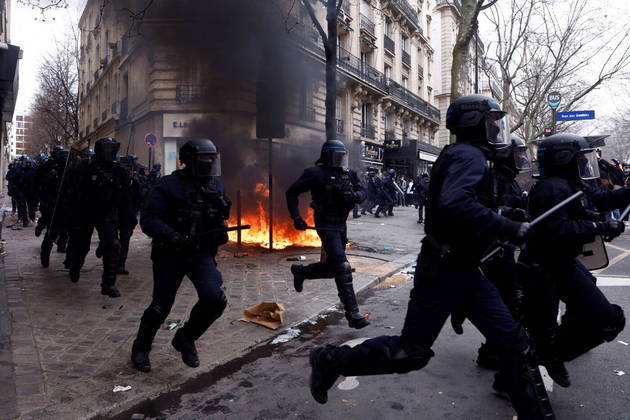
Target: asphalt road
272	381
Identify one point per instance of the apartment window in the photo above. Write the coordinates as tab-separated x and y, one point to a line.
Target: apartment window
338	104
388	72
389	27
389	122
404	43
366	115
405	82
306	101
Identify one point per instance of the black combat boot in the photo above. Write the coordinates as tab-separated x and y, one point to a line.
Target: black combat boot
547	357
142	347
186	347
323	372
488	357
343	279
75	273
44	255
122	270
39	229
298	277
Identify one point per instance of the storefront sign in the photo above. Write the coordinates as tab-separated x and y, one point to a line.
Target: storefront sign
426	156
177	125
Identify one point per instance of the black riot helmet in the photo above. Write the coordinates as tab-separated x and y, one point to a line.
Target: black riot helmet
333	154
54	153
478	119
128	163
106	149
516	157
567	156
201	157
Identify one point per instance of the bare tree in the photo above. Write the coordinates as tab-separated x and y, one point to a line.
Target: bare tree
329	39
55	107
541	46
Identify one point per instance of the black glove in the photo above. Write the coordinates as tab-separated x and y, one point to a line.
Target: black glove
299	223
516	232
458	316
515	214
181	241
610	229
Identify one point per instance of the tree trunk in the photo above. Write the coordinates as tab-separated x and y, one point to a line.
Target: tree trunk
331	71
465	31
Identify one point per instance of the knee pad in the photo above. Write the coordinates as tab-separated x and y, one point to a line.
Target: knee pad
155	315
411	357
617	324
344	268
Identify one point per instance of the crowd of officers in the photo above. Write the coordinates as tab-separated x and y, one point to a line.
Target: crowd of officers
473	203
77	192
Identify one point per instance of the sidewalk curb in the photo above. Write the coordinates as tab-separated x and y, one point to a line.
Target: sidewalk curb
107	412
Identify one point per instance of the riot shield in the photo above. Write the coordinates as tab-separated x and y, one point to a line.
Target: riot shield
594	255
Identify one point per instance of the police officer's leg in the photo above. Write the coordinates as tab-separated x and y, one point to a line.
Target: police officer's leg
593	319
62	241
81	236
44	220
518	376
108	237
318	270
46	248
22	208
168	272
125	237
32	202
202	271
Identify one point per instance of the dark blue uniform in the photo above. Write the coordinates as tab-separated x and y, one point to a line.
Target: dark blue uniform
182	205
387	192
459	229
335	191
128	219
555	274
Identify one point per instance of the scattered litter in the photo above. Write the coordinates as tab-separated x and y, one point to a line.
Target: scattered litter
622	342
366	316
392	286
137	416
288	335
453	403
581	405
267	314
388	248
619	372
171	324
382	224
348	383
440	392
241	254
389	328
300	258
350	403
120	388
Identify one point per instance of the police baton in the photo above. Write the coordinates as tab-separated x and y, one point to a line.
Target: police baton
320	229
539	219
625	213
224	229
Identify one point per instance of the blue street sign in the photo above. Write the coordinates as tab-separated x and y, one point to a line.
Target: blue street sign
150	139
575	115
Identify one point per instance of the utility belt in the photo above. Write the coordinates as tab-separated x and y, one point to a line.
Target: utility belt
447	254
323	215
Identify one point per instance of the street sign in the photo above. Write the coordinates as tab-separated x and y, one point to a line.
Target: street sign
548	131
554	98
575	115
150	139
393	143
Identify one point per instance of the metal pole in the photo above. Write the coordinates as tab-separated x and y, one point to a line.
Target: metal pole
238	218
476	61
270	196
553	118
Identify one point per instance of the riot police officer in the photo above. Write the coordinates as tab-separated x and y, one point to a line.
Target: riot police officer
95	191
185	215
565	162
335	191
128	211
458	224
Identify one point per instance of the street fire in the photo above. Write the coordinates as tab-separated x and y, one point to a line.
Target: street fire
284	234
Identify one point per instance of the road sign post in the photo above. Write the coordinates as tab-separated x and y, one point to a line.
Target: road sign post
554	98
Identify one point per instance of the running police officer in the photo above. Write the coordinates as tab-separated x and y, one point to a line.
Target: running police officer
565	162
335	190
185	214
458	225
95	194
128	211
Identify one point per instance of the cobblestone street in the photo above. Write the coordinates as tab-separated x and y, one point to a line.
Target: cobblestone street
70	345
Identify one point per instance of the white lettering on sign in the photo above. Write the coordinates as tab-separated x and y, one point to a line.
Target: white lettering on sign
177	125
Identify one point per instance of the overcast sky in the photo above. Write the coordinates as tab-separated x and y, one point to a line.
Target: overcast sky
37	38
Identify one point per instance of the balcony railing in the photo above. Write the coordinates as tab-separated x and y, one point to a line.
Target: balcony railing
368	131
339	126
407	10
390	135
353	64
368	25
414	102
389	44
406	59
187	94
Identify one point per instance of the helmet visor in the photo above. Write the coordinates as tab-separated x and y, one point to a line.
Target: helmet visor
497	130
587	164
522	158
336	158
207	165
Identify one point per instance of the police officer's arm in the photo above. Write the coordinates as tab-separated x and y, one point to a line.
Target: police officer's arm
358	188
606	199
225	201
302	185
152	215
458	197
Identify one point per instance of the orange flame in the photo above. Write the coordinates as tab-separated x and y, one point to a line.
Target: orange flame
284	234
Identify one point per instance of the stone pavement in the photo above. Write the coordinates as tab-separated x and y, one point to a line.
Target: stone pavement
69	345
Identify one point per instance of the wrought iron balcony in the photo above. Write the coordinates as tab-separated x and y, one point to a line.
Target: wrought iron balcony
368	25
410	13
406	97
353	64
406	59
187	94
389	44
368	131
